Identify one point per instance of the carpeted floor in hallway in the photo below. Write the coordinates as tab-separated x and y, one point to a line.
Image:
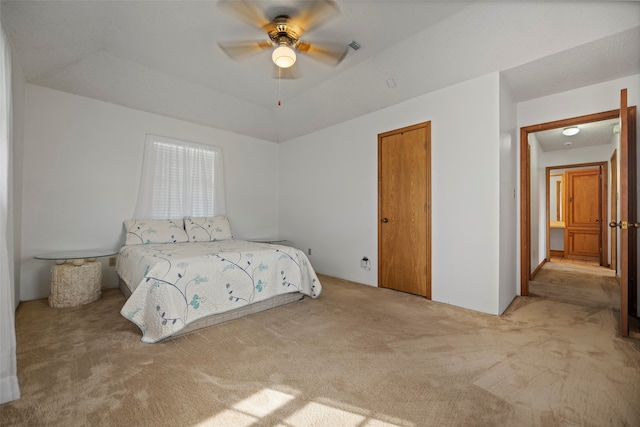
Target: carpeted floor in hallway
588	286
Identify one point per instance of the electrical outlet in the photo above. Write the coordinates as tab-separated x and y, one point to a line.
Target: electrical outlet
309	251
112	261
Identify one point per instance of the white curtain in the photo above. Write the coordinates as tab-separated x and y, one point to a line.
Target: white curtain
180	178
9	389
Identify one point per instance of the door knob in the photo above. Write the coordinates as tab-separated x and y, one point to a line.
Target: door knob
624	224
385	219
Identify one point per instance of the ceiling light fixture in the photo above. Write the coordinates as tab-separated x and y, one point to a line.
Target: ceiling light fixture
570	131
283	56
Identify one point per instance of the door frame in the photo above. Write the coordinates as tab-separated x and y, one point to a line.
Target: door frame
525	185
602	204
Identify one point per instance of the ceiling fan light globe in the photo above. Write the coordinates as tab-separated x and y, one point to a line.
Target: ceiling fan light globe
283	56
570	131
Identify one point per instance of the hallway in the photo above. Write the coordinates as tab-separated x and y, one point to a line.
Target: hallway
577	282
582	283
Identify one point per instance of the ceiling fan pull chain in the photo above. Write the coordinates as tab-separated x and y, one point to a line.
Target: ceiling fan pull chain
279	71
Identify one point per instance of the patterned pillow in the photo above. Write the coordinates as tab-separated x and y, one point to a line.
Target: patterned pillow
207	229
144	231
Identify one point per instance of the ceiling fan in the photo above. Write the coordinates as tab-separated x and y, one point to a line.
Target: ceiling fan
284	28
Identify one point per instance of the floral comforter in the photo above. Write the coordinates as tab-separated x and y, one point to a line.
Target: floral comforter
174	284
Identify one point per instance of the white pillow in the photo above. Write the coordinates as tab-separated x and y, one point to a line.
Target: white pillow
207	229
144	231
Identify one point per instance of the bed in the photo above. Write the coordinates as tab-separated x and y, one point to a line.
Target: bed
182	275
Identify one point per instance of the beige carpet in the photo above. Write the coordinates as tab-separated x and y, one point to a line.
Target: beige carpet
594	287
356	356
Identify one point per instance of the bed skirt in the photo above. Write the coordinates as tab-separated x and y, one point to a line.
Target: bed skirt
216	319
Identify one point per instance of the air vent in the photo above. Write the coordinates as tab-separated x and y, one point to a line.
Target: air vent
354	45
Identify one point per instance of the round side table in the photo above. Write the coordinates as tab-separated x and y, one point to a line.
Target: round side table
76	277
274	241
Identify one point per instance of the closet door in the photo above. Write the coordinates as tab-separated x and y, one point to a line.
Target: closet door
404	194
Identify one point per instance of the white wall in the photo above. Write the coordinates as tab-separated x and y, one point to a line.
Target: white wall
329	185
579	102
556	239
509	183
575	156
82	163
81	171
537	220
17	94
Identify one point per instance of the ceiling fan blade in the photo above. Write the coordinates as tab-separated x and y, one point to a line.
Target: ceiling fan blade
315	14
329	53
290	73
247	11
238	49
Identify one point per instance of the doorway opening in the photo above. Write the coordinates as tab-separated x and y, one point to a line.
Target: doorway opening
626	259
530	219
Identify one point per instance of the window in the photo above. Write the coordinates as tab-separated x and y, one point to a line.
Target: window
180	179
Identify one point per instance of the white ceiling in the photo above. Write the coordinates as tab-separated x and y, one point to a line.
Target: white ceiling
162	56
591	134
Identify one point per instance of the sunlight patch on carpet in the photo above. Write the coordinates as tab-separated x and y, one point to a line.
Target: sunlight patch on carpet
263	402
259	405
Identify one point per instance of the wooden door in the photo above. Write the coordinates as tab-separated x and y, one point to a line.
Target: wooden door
584	205
627	214
632	256
614	211
404	196
623	223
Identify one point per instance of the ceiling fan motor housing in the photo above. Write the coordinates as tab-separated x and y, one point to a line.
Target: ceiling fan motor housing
281	32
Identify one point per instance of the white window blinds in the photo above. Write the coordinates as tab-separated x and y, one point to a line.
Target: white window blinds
180	179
